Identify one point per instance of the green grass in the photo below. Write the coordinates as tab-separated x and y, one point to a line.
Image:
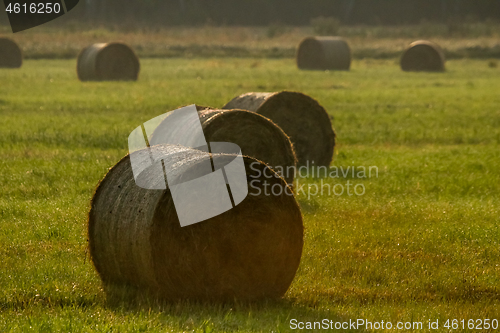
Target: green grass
422	243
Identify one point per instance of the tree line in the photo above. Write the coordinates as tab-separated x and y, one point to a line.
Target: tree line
289	12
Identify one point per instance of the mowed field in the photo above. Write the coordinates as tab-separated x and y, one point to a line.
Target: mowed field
421	244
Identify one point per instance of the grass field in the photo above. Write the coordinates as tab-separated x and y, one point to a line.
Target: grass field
421	244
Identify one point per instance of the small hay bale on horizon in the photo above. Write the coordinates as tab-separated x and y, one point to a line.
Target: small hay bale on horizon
324	53
249	252
11	55
302	118
256	135
423	56
108	62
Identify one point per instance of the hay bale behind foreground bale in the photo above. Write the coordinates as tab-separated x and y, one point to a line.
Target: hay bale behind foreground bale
324	53
108	62
256	135
423	56
250	252
302	118
10	54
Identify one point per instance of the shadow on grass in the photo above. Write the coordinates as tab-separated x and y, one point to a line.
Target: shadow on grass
23	301
270	315
132	306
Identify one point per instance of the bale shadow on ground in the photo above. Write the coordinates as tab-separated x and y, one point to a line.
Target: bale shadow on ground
207	316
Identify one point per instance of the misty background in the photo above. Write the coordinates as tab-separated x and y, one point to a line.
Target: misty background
288	12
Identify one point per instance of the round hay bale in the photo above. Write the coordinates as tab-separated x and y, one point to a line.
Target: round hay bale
324	53
302	118
423	56
108	62
257	136
251	251
10	54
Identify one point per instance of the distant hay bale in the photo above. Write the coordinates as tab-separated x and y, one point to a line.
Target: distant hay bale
10	54
324	53
423	56
256	135
251	251
302	118
108	62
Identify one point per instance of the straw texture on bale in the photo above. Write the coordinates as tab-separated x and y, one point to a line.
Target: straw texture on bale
302	118
324	53
256	135
423	56
10	54
108	62
249	252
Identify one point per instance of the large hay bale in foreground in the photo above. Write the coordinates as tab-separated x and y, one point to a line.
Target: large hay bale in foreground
256	135
10	54
302	118
251	251
108	62
423	56
324	53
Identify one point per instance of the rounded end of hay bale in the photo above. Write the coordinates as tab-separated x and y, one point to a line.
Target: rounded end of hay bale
10	54
108	62
256	135
249	252
306	122
423	56
324	53
301	117
117	61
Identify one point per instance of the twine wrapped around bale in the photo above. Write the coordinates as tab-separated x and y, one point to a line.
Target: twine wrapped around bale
423	56
251	251
10	54
108	62
302	118
256	135
324	53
